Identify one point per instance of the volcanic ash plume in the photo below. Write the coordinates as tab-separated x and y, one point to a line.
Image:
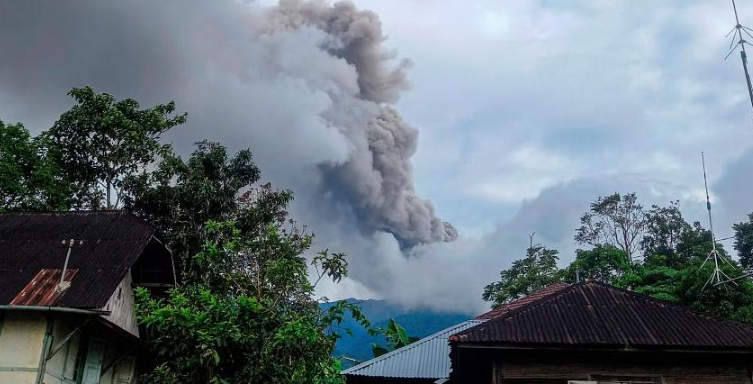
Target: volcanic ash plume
377	179
378	182
307	85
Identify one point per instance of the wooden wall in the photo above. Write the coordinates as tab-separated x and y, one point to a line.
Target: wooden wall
353	379
557	367
511	372
122	306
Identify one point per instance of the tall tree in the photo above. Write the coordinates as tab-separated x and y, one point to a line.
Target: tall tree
666	233
179	196
731	300
246	313
100	142
535	271
696	242
245	295
690	286
744	242
605	263
28	179
672	268
617	220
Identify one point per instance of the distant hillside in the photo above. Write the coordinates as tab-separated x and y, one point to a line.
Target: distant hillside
419	323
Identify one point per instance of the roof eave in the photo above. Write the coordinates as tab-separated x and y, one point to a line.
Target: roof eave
118	330
354	370
37	308
603	348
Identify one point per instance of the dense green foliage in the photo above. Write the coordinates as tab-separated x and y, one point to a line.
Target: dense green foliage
744	242
666	236
245	311
672	268
396	337
29	180
537	270
604	263
179	196
101	142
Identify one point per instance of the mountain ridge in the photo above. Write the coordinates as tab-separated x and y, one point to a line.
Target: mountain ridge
417	322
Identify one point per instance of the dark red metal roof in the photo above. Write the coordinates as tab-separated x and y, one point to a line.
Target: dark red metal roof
33	242
541	293
43	289
598	315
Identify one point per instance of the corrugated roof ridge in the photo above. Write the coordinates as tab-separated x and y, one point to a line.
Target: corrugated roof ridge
524	301
52	213
677	308
515	311
674	306
88	212
140	220
408	347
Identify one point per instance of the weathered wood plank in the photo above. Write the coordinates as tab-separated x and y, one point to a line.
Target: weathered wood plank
528	372
122	306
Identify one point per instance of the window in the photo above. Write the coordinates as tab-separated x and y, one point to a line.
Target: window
92	368
74	355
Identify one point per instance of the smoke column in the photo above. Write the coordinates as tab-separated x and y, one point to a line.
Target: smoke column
307	85
377	180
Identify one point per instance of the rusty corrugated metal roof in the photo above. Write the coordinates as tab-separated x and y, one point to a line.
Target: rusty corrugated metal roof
43	289
428	358
541	293
32	242
598	315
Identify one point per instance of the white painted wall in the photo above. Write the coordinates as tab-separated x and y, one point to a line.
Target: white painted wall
61	365
21	340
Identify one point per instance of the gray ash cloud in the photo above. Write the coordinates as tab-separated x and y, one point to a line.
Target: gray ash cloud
309	86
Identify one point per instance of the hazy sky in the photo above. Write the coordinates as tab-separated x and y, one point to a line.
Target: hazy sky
515	97
526	111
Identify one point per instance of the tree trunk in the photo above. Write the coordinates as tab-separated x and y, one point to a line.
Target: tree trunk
109	186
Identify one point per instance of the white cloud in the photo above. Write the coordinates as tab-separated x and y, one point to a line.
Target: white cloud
599	91
520	174
607	87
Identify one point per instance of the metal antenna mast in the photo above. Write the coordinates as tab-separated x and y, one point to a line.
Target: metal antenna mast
739	40
63	285
718	277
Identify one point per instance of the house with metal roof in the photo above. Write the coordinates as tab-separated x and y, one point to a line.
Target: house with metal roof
592	332
67	294
507	307
424	361
428	360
